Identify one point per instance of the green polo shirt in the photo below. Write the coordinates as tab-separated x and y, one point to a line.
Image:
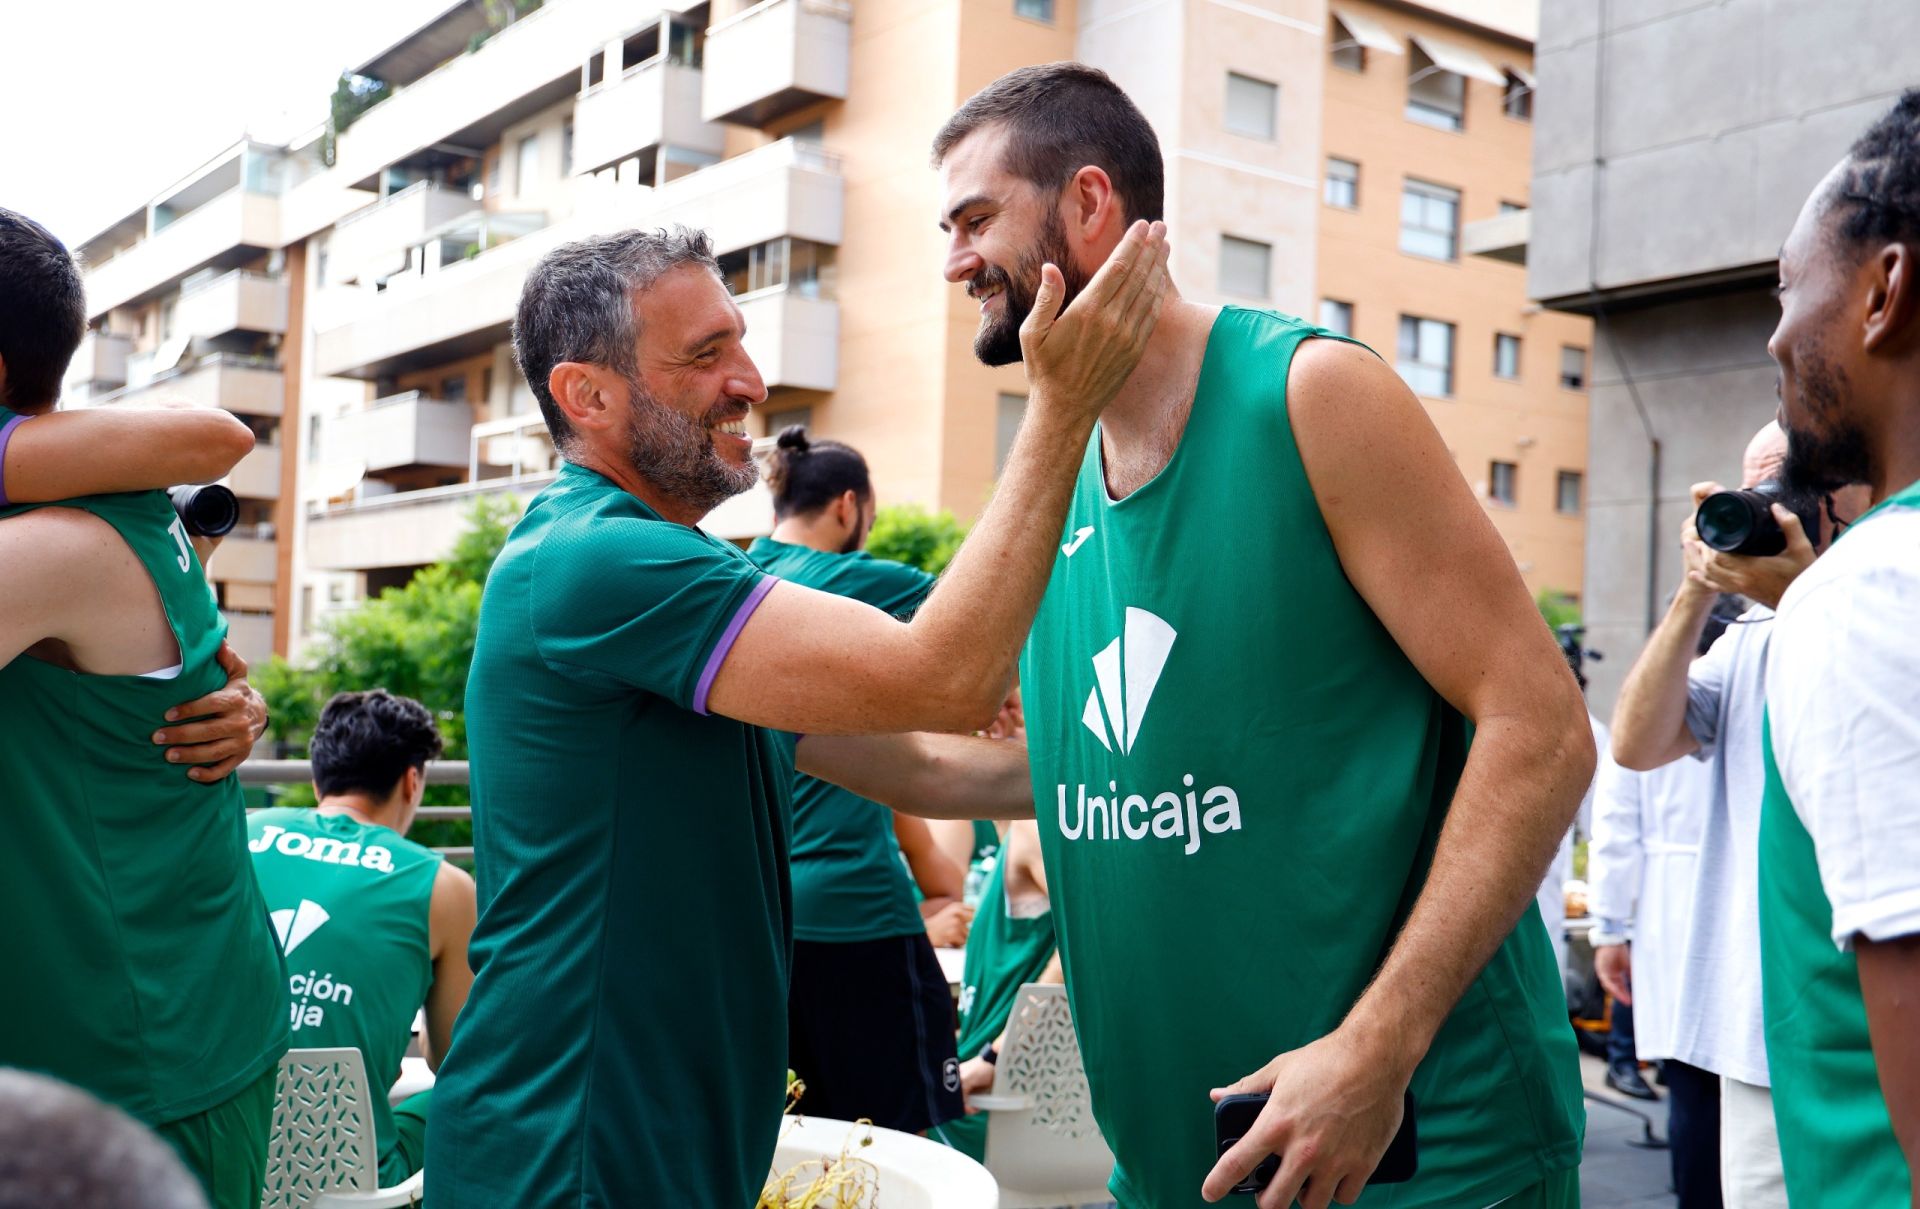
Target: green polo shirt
625	1039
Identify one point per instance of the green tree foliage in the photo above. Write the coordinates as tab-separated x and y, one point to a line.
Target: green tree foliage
1558	608
910	534
353	95
415	641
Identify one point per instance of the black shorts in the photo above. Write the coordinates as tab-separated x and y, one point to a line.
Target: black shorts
870	1029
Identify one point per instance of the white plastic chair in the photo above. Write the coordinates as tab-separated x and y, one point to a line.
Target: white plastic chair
1043	1146
322	1153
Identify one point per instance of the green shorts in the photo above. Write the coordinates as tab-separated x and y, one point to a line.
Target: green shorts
226	1146
406	1150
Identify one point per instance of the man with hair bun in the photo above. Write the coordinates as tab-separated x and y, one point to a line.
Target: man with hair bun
382	920
870	1025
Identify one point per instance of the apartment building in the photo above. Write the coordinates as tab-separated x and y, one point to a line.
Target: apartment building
1675	147
1319	160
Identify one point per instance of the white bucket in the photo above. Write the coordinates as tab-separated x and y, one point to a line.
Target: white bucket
913	1172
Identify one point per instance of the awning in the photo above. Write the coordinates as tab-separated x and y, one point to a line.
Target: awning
1521	74
1459	60
1368	32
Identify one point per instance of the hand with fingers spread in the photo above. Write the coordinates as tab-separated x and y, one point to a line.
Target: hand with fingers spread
1336	1105
1761	578
1077	360
224	725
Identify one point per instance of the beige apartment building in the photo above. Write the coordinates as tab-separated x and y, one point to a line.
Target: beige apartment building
797	132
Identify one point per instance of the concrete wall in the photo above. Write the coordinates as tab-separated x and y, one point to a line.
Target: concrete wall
1716	120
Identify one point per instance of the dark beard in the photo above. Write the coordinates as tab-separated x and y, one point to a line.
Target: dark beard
677	456
998	340
1821	462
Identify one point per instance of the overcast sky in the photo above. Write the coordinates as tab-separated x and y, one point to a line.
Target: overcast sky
105	102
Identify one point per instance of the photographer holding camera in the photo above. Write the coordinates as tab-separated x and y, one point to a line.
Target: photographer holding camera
1674	706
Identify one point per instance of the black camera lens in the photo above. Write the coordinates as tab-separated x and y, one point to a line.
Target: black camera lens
1741	522
206	511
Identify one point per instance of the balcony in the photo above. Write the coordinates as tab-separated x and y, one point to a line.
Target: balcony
775	57
404	529
244	559
233	302
794	340
654	102
785	188
1501	238
225	231
373	243
525	68
257	477
99	364
249	386
251	634
400	430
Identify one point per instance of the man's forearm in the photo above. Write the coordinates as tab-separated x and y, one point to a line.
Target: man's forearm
1890	984
1515	801
66	454
933	776
1650	719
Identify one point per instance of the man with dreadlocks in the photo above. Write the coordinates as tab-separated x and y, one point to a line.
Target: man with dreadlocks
1840	825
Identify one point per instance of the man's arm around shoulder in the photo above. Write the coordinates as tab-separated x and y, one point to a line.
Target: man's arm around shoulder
450	920
98	451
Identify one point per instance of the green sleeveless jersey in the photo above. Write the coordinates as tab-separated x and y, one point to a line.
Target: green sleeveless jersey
349	903
1837	1144
1240	779
1003	955
849	881
141	963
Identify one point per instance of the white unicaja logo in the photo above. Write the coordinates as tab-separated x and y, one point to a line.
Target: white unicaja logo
294	924
1125	674
311	993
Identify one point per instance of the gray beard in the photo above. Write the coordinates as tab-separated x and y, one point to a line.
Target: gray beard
677	456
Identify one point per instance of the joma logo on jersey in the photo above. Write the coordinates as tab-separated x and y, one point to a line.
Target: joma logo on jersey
1125	674
323	848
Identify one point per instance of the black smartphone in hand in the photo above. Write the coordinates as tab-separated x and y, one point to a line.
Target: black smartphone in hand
1235	1115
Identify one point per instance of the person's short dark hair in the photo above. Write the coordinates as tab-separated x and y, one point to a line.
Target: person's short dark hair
61	1146
805	476
1061	117
365	742
577	305
43	312
1878	191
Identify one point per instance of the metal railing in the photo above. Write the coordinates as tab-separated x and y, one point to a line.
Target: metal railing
262	773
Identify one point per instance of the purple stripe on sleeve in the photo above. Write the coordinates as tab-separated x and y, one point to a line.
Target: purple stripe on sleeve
6	434
720	648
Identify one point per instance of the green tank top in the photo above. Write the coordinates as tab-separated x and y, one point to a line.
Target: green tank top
1003	955
850	882
1240	779
349	902
141	963
1837	1145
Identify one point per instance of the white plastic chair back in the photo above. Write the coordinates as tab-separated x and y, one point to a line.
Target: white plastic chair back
322	1138
1042	1143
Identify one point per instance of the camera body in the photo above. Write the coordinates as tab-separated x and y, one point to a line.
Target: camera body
1741	522
210	511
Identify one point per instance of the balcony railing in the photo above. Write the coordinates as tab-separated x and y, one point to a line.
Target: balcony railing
793	338
227	227
279	773
407	429
253	560
100	363
774	58
651	103
372	243
238	301
791	187
257	477
250	386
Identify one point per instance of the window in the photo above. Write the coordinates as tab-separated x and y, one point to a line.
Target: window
1011	410
1034	10
1506	356
1507	207
493	174
1573	367
814	132
527	164
313	439
1253	106
1348	53
453	389
1244	266
566	150
779	421
803	267
1429	220
1343	184
1336	316
1501	481
1435	97
1426	356
1516	100
1567	496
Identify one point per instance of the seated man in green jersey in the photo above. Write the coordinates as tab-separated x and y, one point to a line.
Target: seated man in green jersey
635	688
1300	745
373	925
124	882
1011	945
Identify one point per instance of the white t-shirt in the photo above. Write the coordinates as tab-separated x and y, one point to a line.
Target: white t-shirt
1843	697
